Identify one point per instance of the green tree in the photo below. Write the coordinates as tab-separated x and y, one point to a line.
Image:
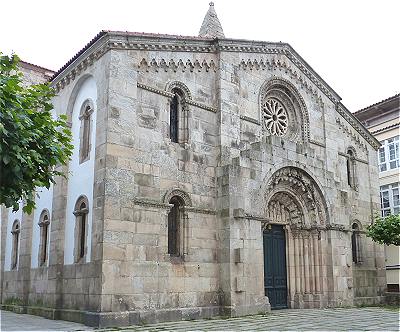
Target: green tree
32	141
385	230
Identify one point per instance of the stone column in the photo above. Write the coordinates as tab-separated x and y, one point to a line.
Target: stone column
322	268
25	252
306	263
301	263
3	235
297	261
312	274
291	263
316	261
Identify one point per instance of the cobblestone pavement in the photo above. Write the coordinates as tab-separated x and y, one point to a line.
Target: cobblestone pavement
10	321
353	319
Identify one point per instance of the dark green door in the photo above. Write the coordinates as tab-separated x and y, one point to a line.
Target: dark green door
275	283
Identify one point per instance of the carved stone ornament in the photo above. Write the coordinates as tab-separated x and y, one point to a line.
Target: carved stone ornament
275	117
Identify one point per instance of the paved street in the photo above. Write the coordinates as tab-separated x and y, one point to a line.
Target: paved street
10	321
355	319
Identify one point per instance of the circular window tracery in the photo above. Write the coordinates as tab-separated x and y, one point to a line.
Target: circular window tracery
275	117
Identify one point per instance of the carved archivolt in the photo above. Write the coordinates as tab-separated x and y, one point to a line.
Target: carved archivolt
170	86
293	197
180	193
175	66
353	136
283	110
283	65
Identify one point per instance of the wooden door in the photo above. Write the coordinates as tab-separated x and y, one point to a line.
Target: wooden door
275	275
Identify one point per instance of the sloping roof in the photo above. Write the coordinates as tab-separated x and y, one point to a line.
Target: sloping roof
378	103
76	56
211	26
36	67
149	41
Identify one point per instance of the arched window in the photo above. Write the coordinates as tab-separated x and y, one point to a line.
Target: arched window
44	222
15	244
85	131
174	226
178	117
356	244
81	220
350	165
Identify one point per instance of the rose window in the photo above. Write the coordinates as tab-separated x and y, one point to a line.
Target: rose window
275	117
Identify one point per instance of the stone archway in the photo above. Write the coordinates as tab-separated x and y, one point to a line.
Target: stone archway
294	201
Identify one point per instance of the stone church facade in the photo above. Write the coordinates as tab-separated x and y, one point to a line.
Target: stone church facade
210	176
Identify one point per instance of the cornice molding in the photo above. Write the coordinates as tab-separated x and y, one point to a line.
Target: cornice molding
171	95
200	105
268	221
152	203
128	41
84	61
352	120
273	63
354	137
312	141
200	210
356	159
248	119
180	65
161	205
155	90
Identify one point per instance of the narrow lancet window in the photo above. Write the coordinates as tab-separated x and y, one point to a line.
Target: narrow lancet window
356	244
15	244
174	119
350	166
178	117
44	231
174	226
81	221
85	131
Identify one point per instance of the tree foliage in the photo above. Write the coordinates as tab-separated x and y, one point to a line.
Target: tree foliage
385	230
32	141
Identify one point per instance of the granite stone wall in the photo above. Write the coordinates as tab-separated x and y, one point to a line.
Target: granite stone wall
232	176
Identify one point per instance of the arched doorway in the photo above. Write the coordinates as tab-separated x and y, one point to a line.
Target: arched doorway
294	242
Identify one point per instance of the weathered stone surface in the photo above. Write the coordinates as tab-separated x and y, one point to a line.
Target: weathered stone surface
232	175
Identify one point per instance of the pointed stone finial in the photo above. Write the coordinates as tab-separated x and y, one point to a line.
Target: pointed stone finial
211	26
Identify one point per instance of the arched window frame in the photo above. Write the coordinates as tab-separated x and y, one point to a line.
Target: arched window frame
356	243
85	132
177	222
174	227
44	222
179	112
15	231
351	168
81	213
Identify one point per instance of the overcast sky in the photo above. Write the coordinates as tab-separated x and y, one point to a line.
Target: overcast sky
354	45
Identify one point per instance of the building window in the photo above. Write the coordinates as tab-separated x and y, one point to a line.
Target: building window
389	154
178	117
356	244
81	221
15	244
174	226
350	165
44	223
390	200
85	131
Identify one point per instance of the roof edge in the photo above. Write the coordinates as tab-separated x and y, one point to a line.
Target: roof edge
36	67
397	95
358	126
85	49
